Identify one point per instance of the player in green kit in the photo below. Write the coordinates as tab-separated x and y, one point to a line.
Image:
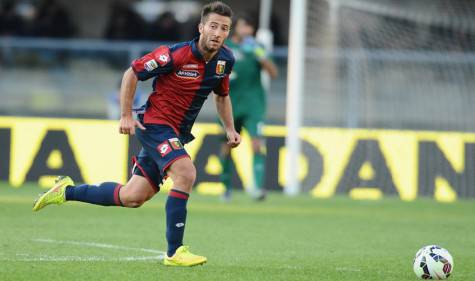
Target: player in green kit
248	98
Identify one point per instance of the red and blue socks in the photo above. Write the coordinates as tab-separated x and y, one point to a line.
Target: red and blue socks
104	194
107	194
176	218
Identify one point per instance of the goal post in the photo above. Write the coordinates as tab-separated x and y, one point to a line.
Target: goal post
295	87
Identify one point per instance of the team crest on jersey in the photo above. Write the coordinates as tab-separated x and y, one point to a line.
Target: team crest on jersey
190	74
220	66
175	143
151	65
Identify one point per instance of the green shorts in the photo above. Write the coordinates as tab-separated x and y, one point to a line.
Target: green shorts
252	124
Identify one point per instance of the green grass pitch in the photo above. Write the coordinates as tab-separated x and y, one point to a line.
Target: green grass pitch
283	238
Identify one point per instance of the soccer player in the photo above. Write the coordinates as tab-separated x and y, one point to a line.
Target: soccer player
185	74
248	99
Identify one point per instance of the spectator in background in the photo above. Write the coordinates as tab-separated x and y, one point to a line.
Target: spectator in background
165	28
53	20
124	23
11	24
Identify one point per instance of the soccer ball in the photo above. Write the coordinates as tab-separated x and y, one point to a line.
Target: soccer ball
433	262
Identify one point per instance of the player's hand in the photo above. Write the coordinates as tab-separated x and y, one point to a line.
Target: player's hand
127	125
234	139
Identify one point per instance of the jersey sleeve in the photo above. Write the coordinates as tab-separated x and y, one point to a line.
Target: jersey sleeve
153	64
223	87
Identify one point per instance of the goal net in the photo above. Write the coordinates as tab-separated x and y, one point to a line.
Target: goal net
390	64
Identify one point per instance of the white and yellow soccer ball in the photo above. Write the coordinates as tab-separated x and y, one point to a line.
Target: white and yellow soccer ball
433	262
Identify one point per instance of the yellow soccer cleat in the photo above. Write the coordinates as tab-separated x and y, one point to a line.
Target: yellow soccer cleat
183	257
56	195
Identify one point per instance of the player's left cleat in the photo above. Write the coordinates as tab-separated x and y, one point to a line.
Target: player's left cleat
259	195
56	195
183	257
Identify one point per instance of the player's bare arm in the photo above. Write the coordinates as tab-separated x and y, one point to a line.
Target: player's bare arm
270	67
225	112
127	92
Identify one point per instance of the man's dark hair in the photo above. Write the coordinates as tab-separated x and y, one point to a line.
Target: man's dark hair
248	18
216	7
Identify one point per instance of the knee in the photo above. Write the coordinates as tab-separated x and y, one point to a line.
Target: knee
183	174
133	200
185	179
133	203
257	146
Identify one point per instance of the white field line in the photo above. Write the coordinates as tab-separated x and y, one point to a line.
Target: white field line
28	257
97	245
348	269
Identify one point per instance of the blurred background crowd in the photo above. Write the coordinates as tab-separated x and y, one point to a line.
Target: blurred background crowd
125	20
172	21
36	19
369	63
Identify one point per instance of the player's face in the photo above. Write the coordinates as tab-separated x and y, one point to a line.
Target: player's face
214	31
243	29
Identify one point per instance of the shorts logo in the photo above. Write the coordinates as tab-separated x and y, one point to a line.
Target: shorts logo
175	143
151	65
164	148
192	74
220	66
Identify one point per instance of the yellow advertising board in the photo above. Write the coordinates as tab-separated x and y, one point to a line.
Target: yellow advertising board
364	164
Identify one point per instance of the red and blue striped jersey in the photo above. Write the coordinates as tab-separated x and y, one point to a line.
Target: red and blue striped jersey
183	81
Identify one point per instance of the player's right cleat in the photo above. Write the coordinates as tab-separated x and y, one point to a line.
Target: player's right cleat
183	257
226	197
56	195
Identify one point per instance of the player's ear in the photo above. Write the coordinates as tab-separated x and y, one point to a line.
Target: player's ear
201	27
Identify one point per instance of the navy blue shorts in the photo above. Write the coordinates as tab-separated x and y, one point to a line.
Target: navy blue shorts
160	148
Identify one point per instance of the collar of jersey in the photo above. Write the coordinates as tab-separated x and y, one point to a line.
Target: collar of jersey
196	52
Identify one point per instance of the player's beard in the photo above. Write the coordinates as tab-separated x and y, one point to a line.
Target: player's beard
208	48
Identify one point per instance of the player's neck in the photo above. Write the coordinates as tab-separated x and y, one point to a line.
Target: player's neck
207	54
